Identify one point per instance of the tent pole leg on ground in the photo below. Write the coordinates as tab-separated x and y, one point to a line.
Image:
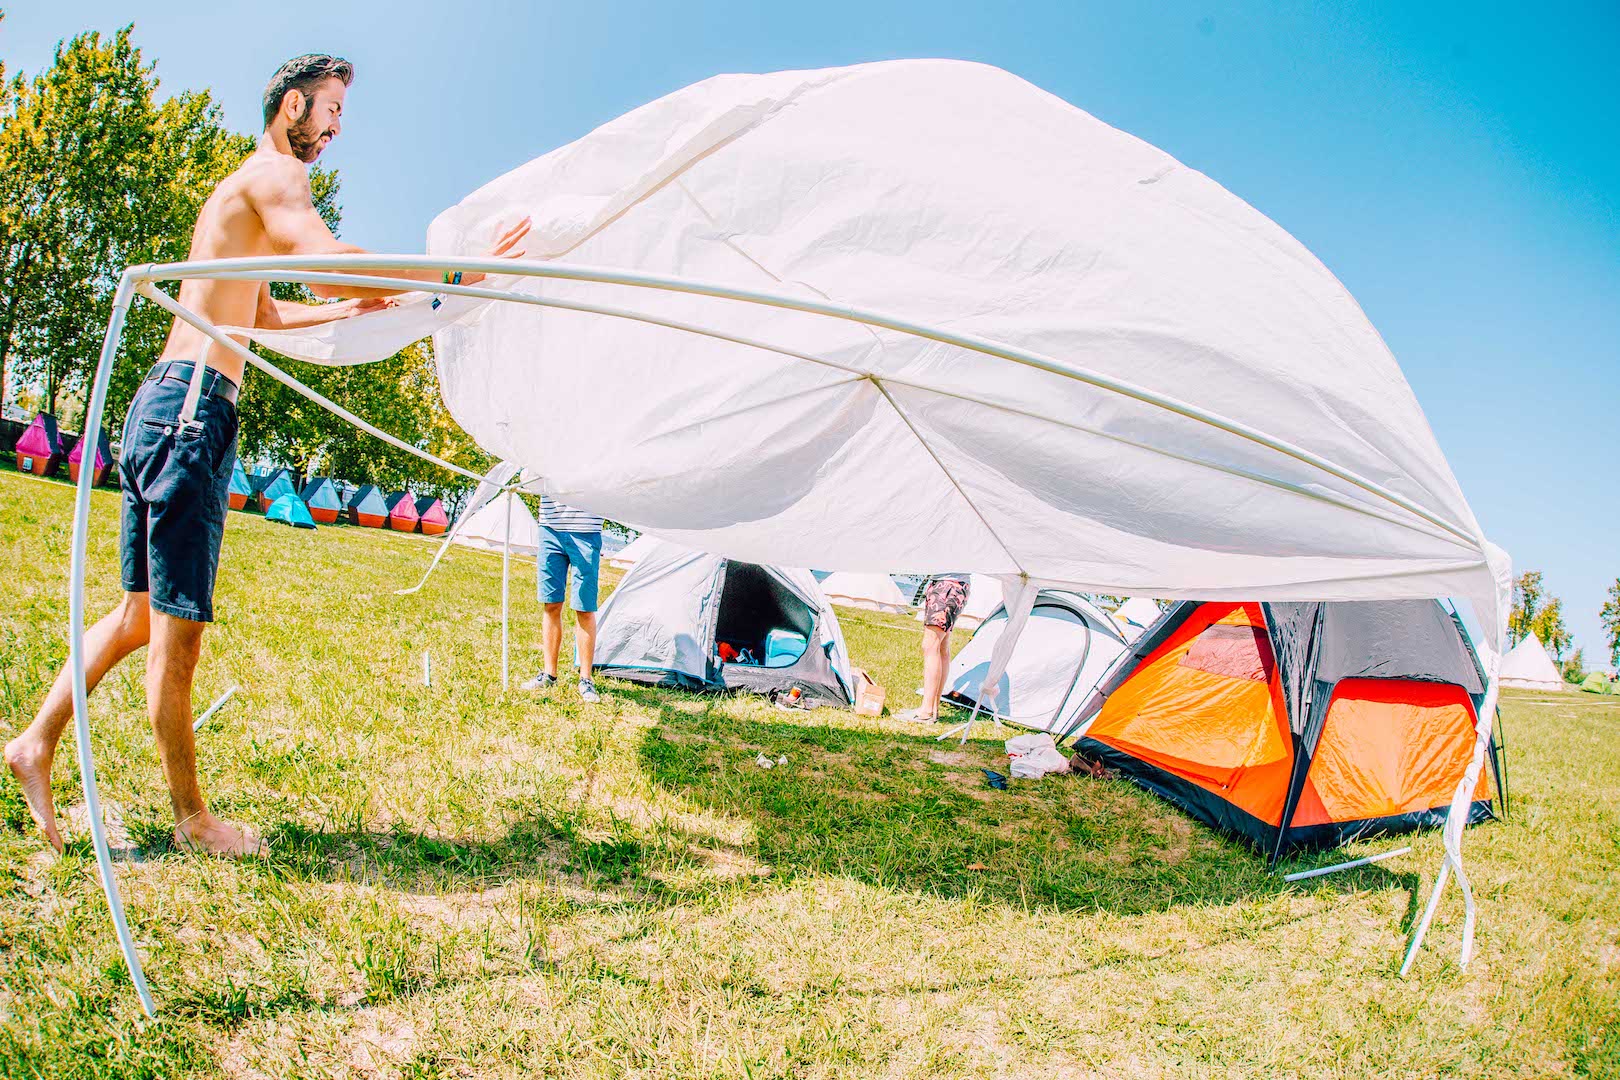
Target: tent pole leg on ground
81	694
1323	871
964	727
506	599
219	703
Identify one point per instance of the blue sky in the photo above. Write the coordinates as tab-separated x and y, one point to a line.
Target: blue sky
1457	166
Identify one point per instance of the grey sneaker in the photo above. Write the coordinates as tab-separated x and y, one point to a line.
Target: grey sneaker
917	716
541	681
587	691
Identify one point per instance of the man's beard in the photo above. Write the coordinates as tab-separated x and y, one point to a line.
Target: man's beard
305	141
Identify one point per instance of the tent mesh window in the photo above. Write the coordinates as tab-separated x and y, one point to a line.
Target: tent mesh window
752	604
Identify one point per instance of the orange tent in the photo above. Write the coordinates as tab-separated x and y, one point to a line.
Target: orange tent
1297	725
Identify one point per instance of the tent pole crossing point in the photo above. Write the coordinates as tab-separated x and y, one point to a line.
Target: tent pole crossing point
325	269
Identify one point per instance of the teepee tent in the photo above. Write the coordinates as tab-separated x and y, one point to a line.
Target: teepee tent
103	460
1066	648
1135	615
1527	665
402	511
290	510
320	495
39	449
873	592
704	622
367	507
241	487
486	527
632	552
1297	725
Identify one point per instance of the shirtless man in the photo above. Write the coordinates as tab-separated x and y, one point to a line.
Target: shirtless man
175	477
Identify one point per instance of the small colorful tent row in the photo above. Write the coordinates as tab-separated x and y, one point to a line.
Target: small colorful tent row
431	517
272	486
290	510
102	469
367	507
320	497
402	511
1297	725
241	488
39	451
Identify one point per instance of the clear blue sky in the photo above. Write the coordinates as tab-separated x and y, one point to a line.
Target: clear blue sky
1456	165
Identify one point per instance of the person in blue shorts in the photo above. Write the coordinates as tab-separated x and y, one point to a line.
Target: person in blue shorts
569	538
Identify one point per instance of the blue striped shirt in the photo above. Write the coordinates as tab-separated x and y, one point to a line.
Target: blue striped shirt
560	517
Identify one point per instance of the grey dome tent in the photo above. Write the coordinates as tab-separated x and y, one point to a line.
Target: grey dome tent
694	620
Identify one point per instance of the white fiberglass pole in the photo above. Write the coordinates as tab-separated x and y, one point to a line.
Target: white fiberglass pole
506	598
81	695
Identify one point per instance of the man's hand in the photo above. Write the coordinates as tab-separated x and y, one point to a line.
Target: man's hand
505	248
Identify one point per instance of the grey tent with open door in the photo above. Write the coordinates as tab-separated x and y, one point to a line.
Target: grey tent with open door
704	622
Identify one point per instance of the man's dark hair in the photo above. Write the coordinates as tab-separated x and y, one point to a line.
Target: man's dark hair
303	73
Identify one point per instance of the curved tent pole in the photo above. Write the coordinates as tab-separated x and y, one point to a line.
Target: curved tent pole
81	695
317	269
190	317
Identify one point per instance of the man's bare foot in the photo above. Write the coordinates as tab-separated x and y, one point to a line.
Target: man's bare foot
205	833
31	765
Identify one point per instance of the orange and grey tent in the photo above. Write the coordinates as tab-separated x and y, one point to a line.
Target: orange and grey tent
1297	725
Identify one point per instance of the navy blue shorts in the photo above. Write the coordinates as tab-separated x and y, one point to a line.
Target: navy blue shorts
176	489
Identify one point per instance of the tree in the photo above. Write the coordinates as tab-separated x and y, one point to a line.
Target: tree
1527	599
1609	615
1574	669
1548	625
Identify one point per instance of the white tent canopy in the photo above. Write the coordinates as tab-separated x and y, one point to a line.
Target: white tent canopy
1528	665
485	527
922	316
874	592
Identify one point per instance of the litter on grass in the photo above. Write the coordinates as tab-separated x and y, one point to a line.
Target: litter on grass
1035	755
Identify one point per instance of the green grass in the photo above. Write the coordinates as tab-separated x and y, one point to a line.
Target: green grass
467	883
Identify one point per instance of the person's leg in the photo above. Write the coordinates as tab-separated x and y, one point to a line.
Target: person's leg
170	664
936	661
117	634
551	634
586	557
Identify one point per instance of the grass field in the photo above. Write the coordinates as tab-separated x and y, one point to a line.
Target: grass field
466	883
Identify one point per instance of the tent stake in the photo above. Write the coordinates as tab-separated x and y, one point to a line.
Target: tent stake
506	599
427	673
1351	865
219	703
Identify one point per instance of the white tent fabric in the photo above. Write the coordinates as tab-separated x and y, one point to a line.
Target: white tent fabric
1064	652
1135	615
873	592
1527	665
633	552
485	527
1180	355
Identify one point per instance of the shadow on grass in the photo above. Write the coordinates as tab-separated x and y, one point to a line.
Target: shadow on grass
909	813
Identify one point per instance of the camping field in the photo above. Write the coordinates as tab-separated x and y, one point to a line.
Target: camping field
465	883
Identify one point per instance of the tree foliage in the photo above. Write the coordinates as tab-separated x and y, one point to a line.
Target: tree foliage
1609	615
1537	612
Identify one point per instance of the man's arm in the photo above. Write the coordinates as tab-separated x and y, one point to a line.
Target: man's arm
282	198
276	314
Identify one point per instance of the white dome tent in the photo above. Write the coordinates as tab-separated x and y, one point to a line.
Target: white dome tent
1066	648
1528	666
633	552
1135	615
873	592
877	288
